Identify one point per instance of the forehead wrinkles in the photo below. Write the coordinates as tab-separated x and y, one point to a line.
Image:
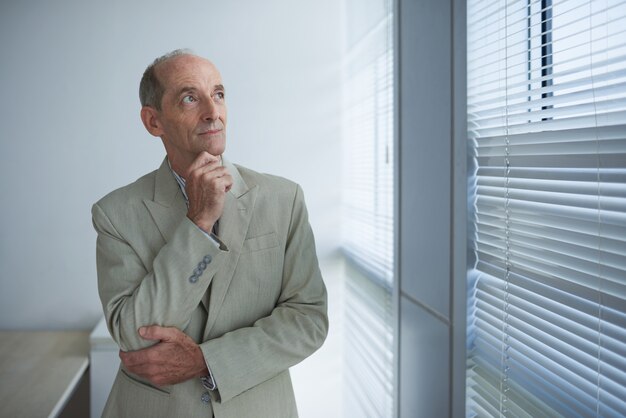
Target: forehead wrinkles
194	72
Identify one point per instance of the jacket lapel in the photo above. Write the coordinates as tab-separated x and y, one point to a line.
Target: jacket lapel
168	207
233	227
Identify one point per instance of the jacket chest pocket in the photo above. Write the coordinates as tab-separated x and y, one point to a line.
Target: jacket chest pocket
259	243
258	277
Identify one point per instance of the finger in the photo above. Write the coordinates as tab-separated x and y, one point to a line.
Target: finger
227	181
217	182
213	170
202	159
205	176
133	359
208	174
155	332
144	369
137	361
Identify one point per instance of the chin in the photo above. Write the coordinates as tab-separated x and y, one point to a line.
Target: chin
216	149
212	149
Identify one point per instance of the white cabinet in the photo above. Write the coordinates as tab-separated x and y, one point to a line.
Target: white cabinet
104	364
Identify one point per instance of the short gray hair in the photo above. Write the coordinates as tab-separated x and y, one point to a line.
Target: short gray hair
150	89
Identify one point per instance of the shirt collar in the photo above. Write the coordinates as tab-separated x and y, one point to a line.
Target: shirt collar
181	182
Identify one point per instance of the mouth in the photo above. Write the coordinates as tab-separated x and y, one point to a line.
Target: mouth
210	132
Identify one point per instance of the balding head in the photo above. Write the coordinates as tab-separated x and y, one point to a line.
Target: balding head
150	88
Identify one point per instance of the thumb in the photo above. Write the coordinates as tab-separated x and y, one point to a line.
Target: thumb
155	332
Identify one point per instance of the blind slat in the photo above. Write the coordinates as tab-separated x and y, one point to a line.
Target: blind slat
546	91
367	227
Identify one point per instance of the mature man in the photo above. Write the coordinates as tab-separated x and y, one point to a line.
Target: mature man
207	271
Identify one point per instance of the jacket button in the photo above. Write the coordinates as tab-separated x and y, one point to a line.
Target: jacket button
193	279
202	265
207	259
205	398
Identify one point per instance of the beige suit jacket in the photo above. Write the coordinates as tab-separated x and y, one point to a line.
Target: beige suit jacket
267	305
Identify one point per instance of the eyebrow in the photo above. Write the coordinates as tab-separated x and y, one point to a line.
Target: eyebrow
186	89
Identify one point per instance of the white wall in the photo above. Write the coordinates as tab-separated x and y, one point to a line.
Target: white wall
70	127
70	130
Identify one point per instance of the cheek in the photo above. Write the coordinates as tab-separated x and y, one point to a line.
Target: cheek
185	125
224	114
181	120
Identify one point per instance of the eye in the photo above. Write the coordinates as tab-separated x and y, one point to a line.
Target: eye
219	95
189	99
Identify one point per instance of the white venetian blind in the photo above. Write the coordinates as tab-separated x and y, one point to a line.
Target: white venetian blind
547	132
368	208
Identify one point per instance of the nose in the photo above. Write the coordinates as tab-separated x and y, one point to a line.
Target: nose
210	111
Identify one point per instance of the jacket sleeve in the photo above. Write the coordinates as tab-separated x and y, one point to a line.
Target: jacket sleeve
164	293
296	327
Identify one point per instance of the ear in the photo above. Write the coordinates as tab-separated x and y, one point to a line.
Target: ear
150	119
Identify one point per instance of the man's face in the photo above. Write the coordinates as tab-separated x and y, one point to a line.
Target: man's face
192	118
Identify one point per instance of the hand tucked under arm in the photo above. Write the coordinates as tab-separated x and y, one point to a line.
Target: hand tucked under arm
174	359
